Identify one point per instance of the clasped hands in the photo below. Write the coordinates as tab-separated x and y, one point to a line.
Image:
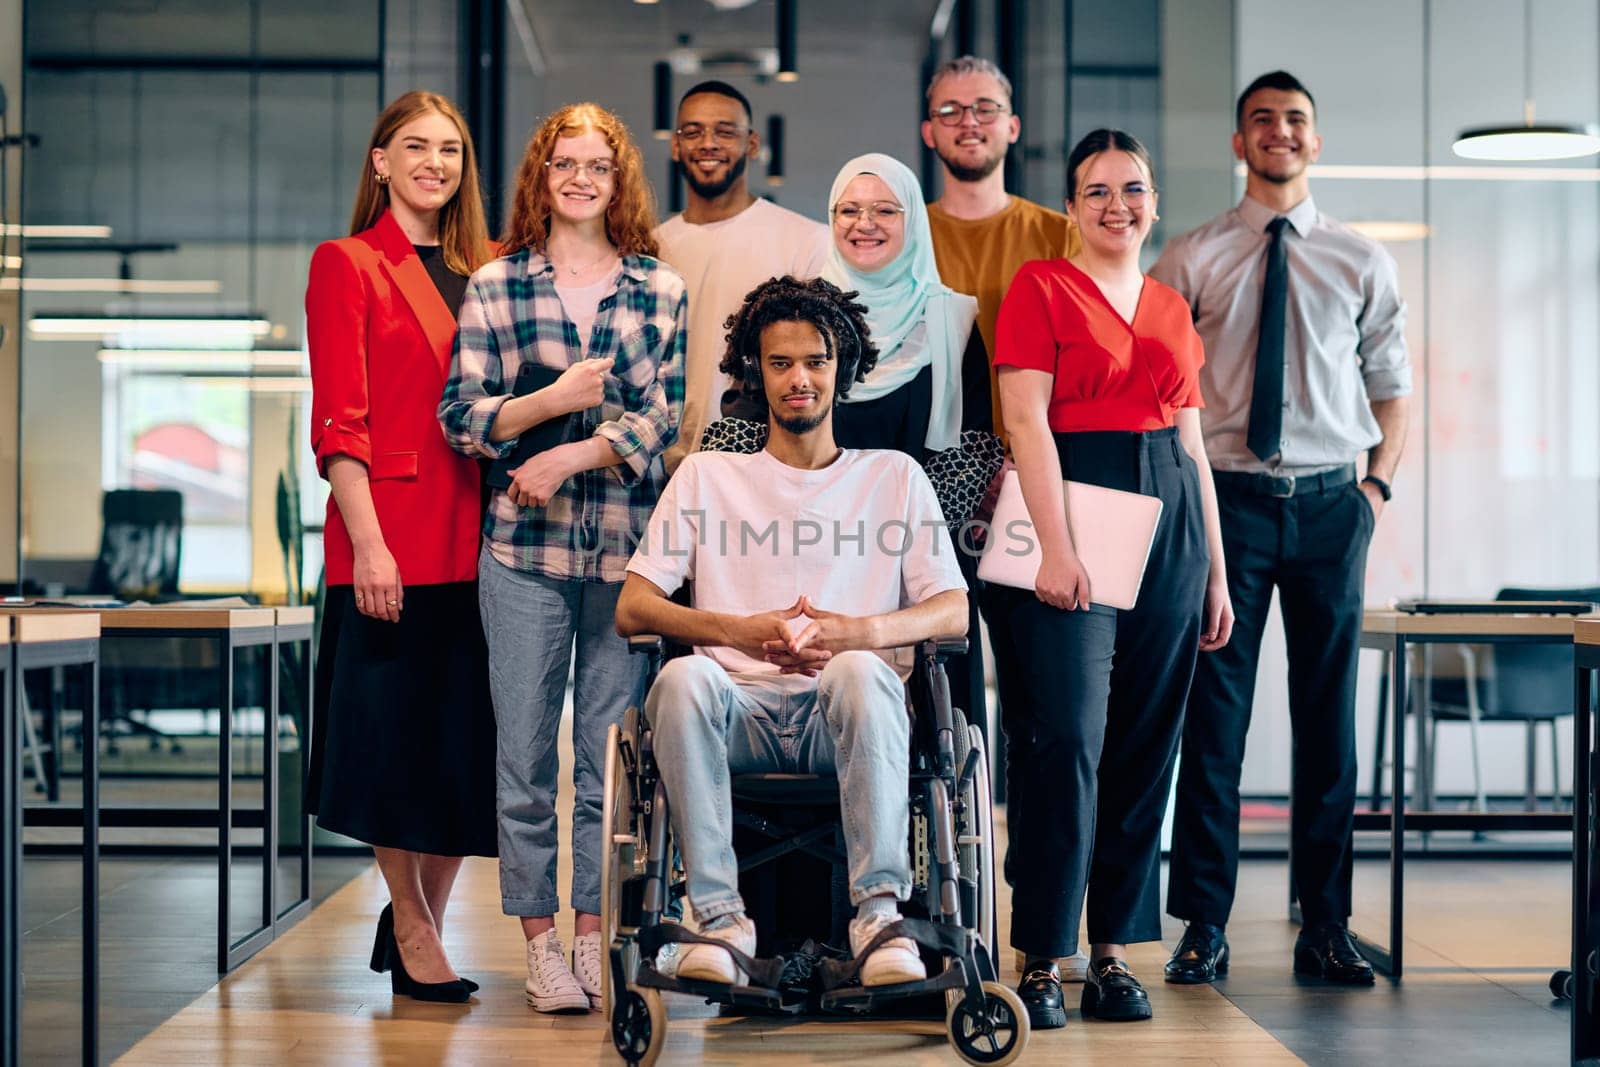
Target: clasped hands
801	638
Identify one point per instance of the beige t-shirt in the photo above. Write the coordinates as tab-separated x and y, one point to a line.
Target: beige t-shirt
721	262
980	256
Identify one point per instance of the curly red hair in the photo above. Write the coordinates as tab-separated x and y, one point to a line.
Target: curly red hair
631	215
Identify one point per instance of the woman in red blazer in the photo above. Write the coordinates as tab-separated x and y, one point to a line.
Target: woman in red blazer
404	740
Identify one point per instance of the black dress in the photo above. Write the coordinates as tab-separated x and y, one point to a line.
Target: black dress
403	735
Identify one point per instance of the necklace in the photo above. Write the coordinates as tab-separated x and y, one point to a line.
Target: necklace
575	271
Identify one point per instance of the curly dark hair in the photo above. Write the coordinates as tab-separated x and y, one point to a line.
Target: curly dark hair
834	312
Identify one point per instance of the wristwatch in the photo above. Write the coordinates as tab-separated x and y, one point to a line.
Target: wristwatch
1382	487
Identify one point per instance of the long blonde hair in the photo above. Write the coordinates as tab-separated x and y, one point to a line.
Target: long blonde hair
631	215
463	233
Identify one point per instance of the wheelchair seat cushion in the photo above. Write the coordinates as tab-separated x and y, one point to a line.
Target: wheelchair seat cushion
807	789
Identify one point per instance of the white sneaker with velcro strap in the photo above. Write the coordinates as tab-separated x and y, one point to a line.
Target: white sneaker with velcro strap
713	963
893	962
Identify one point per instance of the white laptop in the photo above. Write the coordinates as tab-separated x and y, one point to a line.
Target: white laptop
1112	532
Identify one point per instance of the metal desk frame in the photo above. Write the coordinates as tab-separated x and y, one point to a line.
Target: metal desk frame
261	627
1393	639
1585	875
23	655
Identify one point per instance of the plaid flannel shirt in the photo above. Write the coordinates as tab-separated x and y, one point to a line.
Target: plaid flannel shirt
512	315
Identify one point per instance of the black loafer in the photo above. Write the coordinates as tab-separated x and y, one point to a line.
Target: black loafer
1112	993
1201	956
1041	995
1326	951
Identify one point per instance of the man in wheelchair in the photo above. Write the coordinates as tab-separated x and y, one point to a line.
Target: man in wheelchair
809	565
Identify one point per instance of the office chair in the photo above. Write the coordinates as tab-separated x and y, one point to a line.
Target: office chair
1530	684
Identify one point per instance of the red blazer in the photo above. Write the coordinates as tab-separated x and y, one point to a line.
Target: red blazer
380	339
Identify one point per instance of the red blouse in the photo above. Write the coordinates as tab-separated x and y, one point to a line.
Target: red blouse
1109	374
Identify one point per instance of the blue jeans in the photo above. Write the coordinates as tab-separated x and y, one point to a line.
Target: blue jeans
531	623
710	725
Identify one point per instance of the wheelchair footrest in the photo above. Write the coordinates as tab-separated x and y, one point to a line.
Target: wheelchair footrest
859	999
744	996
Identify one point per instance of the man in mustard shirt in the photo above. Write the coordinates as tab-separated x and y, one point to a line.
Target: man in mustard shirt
981	235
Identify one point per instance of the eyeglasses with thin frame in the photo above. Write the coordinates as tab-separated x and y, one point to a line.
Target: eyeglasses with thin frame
722	132
848	215
1099	197
951	113
567	167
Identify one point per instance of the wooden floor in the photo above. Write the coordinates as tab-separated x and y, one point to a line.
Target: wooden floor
309	999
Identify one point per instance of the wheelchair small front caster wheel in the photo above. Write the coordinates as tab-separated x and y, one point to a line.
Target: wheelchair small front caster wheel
993	1035
639	1026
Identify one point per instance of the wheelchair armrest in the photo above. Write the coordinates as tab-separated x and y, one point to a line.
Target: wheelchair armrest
939	648
647	644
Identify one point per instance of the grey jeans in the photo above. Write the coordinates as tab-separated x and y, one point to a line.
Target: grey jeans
710	725
531	623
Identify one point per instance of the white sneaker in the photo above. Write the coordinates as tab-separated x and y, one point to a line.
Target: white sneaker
892	962
709	963
670	954
586	964
551	985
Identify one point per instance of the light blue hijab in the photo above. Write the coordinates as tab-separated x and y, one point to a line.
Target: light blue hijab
902	295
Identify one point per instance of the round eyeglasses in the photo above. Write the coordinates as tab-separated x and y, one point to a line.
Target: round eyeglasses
1099	197
567	167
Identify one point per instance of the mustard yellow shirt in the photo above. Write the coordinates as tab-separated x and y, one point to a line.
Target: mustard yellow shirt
980	256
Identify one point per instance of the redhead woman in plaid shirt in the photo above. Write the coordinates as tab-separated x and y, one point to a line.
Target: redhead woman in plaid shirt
579	291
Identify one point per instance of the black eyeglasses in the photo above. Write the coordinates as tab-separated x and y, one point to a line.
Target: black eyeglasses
951	114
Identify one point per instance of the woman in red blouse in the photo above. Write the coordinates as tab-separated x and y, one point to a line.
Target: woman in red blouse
1098	369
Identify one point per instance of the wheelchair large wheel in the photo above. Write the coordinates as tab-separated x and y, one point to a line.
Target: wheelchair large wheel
617	857
994	1035
639	1026
982	824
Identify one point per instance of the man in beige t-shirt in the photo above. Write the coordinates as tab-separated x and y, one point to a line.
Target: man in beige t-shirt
981	234
725	243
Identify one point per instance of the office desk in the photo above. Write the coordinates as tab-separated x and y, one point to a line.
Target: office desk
225	631
1392	632
32	643
1585	876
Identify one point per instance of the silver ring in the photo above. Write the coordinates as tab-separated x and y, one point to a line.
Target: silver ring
394	603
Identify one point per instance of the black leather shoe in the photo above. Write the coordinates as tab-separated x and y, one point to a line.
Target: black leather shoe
1201	955
1041	995
1112	993
1326	951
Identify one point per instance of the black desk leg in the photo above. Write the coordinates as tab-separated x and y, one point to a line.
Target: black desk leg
1585	1031
224	800
269	791
91	859
10	867
1387	958
1397	825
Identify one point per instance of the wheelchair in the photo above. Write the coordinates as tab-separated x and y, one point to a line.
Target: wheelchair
951	841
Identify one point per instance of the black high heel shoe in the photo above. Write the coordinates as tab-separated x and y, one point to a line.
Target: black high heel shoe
386	957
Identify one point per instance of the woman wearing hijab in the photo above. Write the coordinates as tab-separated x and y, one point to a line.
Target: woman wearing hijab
932	377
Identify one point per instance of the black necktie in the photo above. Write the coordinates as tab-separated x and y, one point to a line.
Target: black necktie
1266	401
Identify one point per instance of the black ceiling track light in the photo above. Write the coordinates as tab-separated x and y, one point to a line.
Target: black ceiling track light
788	32
775	172
663	79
